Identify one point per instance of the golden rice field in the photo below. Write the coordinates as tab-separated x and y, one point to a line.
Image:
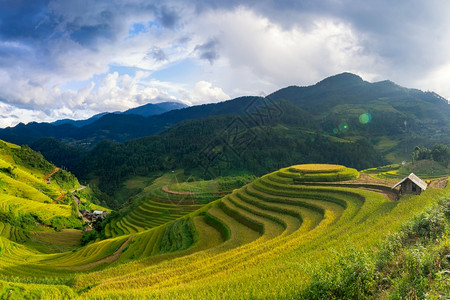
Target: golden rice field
317	168
262	241
23	189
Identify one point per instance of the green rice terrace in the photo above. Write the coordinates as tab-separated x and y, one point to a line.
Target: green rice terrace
305	231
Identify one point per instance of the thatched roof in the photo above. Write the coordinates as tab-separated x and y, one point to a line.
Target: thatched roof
419	182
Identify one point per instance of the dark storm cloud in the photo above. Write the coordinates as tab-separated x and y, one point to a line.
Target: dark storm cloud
84	22
209	50
168	16
21	19
88	34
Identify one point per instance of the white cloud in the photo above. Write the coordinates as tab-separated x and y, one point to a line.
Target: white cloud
256	54
120	92
11	115
204	92
436	80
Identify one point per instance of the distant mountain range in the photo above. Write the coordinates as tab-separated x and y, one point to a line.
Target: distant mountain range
146	110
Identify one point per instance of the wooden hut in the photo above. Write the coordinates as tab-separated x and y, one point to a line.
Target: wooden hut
411	185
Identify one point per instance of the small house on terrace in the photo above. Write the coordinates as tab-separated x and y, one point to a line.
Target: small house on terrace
411	185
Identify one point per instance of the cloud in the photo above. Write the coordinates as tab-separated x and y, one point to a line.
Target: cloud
11	115
209	50
158	54
117	92
258	55
168	16
204	92
58	57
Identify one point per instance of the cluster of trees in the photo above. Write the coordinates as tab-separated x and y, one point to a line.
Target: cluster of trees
25	156
8	171
439	153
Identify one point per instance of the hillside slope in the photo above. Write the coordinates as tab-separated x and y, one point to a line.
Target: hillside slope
33	192
276	227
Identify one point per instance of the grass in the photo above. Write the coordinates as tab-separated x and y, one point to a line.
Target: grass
44	211
267	239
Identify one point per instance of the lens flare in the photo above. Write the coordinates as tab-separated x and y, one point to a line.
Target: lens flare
365	118
343	127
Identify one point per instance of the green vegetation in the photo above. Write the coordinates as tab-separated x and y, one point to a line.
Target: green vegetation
192	224
324	241
178	235
424	165
413	263
34	194
439	153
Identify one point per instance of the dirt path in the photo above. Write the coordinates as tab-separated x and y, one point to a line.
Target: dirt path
439	183
47	177
109	259
47	180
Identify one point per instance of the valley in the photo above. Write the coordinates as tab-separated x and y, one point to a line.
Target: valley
277	199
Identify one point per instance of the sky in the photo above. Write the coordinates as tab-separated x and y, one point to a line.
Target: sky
72	59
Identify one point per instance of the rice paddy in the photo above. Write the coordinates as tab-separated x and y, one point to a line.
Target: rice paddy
263	240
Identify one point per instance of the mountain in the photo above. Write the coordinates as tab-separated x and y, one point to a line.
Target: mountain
337	103
80	123
224	146
120	127
154	109
146	110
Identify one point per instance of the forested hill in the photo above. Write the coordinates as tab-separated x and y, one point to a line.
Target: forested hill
335	101
346	96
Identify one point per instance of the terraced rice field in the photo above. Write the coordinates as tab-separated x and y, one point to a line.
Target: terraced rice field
261	241
13	233
164	201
